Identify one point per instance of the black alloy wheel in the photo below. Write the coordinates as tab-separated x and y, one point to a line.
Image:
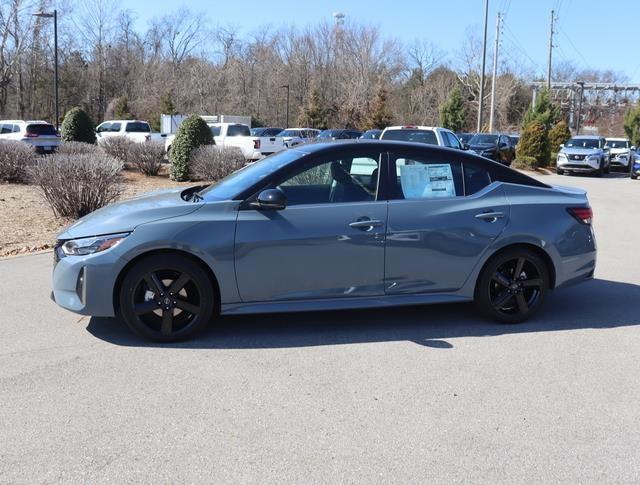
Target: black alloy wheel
512	286
166	298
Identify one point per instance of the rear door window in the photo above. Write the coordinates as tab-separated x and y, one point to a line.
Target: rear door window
137	127
16	128
419	177
476	178
115	127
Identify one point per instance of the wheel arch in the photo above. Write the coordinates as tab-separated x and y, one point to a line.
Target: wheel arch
155	252
544	255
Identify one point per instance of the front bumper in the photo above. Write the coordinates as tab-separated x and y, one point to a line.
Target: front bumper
622	162
85	284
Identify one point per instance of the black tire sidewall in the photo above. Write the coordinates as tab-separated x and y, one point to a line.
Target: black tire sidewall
482	299
172	262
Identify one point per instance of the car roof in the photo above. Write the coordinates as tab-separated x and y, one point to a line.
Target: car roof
414	127
616	139
124	121
586	137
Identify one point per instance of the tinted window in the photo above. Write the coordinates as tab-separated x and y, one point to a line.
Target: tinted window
290	133
352	178
215	130
418	136
238	130
104	127
6	128
514	140
480	139
16	128
475	178
452	140
330	134
138	127
115	127
41	129
617	143
422	178
583	143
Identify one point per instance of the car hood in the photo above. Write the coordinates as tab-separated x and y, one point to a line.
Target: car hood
482	147
580	151
127	215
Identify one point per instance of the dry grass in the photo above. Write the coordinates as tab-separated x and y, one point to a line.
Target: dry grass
27	223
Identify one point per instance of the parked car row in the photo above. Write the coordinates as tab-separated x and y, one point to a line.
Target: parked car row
597	155
42	136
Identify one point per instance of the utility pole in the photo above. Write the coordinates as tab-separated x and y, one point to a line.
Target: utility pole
495	74
581	84
484	59
550	52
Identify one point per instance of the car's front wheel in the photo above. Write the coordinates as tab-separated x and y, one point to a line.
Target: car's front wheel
512	286
166	298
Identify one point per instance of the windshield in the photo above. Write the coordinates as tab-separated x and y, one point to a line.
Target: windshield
514	139
329	133
41	129
291	133
239	181
582	143
617	143
371	135
465	137
418	136
238	130
483	140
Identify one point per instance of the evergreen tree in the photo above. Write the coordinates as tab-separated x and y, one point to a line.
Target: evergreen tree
121	110
192	133
543	111
166	104
77	126
452	111
379	115
534	142
632	125
313	113
558	135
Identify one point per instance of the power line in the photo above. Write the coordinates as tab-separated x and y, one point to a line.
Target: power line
574	47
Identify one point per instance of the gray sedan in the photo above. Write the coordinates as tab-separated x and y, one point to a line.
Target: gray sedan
329	226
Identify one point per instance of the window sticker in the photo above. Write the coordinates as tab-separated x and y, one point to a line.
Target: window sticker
427	181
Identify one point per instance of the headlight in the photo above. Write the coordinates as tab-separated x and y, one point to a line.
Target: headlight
593	158
562	156
90	245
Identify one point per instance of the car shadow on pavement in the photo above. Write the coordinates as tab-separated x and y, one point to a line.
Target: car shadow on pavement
598	304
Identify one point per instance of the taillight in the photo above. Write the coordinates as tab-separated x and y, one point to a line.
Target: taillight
256	144
584	215
31	135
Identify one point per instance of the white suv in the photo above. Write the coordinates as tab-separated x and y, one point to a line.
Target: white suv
431	135
42	136
135	130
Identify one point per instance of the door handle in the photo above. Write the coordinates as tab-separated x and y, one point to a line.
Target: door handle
490	216
365	224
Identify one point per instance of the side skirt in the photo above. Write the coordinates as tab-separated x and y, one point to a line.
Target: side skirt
339	303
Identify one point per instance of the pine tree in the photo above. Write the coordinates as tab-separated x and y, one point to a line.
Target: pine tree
78	126
166	104
534	143
632	125
379	115
192	133
452	112
313	113
543	111
121	110
558	135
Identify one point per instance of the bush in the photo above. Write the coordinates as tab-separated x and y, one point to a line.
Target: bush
558	135
211	163
146	158
76	148
16	159
525	163
534	142
193	133
117	147
77	126
75	185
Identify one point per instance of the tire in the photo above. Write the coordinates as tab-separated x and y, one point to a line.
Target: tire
506	298
633	176
607	168
559	172
166	298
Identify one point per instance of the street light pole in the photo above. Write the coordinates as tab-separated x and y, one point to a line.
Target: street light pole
484	58
286	86
54	16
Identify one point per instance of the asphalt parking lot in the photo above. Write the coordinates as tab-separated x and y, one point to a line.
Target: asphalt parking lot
420	394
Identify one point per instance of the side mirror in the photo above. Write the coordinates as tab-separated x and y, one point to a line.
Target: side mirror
270	199
503	145
633	148
465	146
561	145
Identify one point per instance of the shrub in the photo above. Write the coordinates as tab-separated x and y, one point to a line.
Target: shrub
16	159
77	126
76	148
525	163
193	133
558	135
117	147
213	163
146	158
534	142
75	185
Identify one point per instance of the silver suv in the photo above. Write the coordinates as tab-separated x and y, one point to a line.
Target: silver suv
42	136
584	154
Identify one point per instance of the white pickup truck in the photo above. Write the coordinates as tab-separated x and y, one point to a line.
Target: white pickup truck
239	135
135	130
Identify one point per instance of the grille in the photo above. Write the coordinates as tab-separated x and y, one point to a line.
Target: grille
576	157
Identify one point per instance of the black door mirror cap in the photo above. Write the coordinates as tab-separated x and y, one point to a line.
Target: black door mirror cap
270	199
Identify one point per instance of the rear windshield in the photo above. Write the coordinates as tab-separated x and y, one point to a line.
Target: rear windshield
138	127
418	136
583	143
483	140
238	130
41	129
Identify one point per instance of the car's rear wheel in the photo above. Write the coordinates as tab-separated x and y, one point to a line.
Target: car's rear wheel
166	298
512	286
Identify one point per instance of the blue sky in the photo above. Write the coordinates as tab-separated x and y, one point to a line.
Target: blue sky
590	32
